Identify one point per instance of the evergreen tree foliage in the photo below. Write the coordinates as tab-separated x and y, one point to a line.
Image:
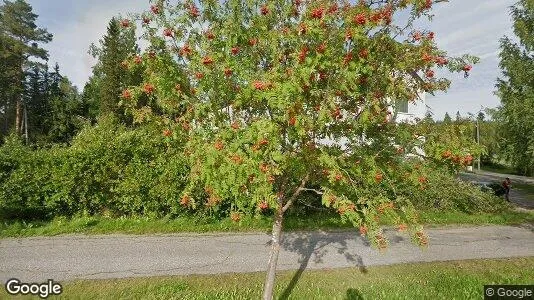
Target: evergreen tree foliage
516	90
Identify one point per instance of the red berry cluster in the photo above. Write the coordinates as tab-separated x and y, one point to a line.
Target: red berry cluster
193	11
235	216
264	10
167	133
264	205
185	50
360	19
207	60
262	85
185	200
317	13
126	94
236	159
209	35
219	145
457	159
378	177
302	54
168	32
155	9
148	88
441	61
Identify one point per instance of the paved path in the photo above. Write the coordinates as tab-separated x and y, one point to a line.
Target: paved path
522	179
117	256
519	197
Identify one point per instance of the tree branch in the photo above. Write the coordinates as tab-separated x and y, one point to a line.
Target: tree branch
314	207
312	190
295	194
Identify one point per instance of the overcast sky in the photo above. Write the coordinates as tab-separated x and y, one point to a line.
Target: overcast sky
461	26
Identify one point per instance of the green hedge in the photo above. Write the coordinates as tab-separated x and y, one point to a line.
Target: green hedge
443	191
113	170
108	169
25	176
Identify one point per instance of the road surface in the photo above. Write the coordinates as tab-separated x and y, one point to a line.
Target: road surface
518	178
519	197
117	256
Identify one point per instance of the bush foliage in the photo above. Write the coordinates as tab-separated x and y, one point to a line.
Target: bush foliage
113	170
108	169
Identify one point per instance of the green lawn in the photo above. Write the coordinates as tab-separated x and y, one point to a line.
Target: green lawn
438	280
106	225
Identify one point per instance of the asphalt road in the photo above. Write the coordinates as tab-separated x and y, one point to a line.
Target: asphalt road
117	256
499	176
520	198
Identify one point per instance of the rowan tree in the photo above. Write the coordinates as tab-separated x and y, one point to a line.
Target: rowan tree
274	98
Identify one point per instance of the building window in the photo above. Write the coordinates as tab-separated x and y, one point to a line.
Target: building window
401	106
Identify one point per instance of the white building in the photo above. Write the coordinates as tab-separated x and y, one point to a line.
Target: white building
411	112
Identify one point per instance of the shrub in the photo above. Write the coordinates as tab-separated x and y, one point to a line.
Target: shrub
438	189
114	170
24	180
442	190
109	169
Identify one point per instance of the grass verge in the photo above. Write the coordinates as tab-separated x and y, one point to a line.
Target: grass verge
107	225
437	280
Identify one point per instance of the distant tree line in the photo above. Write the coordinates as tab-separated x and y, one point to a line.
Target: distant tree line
516	90
41	105
464	129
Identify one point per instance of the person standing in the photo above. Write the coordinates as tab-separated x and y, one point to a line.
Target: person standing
507	184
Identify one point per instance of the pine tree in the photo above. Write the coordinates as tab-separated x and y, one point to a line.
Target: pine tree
516	90
66	109
90	98
20	36
36	103
447	119
8	82
428	118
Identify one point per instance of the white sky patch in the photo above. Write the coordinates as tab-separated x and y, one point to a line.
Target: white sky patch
473	27
75	26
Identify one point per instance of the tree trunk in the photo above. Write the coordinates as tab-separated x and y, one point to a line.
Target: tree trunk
18	97
277	233
18	117
5	110
273	259
26	124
